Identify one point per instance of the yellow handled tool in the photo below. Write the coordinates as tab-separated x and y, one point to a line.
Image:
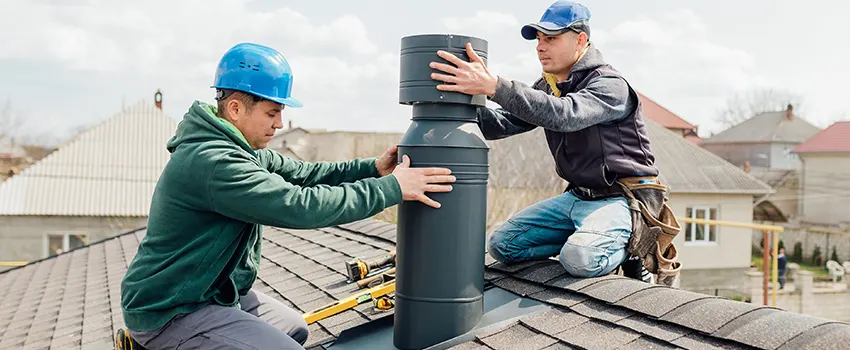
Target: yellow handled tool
350	302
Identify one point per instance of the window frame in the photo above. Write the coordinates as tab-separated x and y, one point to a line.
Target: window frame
66	241
690	227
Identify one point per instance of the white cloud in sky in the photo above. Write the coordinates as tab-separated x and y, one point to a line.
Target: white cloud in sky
481	22
336	65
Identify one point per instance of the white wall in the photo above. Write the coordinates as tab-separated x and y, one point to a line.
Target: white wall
733	245
825	187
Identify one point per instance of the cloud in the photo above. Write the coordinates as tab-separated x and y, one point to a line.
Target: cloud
483	22
176	45
672	58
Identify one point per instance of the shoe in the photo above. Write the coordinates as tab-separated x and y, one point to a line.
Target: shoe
633	268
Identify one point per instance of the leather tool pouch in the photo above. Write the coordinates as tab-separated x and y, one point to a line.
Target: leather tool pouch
653	228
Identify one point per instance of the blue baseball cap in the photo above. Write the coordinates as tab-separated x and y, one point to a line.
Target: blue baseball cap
560	17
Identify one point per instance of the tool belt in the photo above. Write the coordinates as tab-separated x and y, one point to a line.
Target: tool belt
654	226
589	194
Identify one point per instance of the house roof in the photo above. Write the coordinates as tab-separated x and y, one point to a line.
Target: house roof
657	113
72	301
767	127
835	138
688	168
123	155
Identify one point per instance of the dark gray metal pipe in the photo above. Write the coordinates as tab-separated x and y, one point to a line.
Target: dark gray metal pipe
440	252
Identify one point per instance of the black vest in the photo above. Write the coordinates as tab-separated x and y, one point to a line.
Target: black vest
595	157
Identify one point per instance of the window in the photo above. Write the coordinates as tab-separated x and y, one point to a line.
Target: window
54	244
701	233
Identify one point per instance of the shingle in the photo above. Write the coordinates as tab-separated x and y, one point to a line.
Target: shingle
518	337
698	341
40	344
824	337
598	310
490	275
615	289
554	321
541	273
576	283
470	345
355	322
750	328
559	297
518	286
491	330
654	328
315	304
659	301
515	267
647	343
339	318
317	335
560	346
708	315
595	335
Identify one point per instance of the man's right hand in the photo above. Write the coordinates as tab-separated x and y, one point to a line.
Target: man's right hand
414	182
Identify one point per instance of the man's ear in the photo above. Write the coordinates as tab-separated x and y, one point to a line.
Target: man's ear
582	39
233	107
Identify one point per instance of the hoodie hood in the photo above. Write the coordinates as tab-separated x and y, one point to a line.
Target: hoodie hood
590	60
200	124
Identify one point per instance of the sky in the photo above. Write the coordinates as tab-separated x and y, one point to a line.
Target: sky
67	65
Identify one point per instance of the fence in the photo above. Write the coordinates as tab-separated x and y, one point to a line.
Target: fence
813	245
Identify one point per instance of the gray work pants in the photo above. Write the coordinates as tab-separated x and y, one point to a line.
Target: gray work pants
262	323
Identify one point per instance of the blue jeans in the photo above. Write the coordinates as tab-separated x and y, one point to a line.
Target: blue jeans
591	236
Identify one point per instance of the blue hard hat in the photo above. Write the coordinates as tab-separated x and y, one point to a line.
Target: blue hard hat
257	70
559	18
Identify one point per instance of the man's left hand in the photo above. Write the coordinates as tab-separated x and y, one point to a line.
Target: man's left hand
387	162
471	77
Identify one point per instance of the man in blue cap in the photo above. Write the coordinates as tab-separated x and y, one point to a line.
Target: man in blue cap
189	285
594	129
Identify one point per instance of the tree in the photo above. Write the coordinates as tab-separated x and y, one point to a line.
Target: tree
743	106
10	124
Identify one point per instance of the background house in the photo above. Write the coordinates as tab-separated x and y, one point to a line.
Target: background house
96	185
653	111
763	141
825	175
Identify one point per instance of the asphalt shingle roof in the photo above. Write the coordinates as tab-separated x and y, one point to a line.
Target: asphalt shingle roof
72	301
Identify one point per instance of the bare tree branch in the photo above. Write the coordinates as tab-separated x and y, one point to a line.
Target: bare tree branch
743	106
10	124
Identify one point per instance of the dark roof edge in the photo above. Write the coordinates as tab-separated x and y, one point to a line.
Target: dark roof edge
78	248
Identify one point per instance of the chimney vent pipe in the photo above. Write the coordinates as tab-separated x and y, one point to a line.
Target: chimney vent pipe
440	252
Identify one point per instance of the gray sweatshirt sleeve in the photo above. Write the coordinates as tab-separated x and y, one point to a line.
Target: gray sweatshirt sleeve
604	99
498	123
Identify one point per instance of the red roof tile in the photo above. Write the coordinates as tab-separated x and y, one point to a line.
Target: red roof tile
835	138
653	111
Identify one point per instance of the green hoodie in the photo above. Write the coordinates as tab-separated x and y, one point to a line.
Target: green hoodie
204	232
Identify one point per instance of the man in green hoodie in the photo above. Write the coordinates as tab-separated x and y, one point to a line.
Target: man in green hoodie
189	284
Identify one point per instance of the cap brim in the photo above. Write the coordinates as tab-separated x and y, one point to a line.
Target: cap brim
529	31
